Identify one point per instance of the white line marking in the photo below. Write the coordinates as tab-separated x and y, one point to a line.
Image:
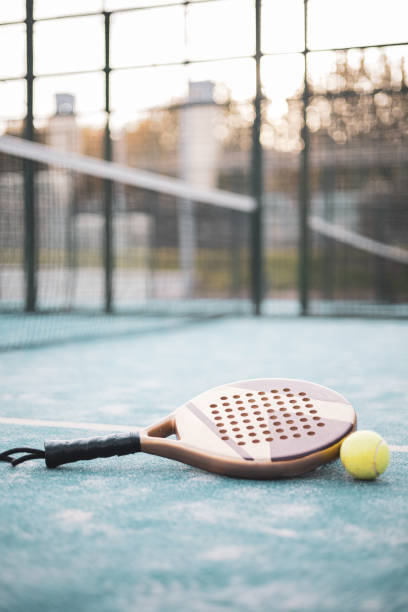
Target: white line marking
67	424
107	427
398	449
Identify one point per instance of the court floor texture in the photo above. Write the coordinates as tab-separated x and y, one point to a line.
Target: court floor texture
145	533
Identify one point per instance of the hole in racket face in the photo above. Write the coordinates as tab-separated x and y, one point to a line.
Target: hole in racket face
267	417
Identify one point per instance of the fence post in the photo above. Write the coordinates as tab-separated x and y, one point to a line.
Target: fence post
257	176
304	188
30	230
107	184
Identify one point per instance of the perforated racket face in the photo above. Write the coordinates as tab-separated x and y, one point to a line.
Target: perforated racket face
265	420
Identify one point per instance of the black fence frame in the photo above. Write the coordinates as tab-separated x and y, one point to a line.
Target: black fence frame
257	187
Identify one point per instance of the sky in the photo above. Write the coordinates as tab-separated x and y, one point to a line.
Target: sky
218	29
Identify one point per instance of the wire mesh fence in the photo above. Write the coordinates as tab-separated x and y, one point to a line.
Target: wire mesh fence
171	238
309	121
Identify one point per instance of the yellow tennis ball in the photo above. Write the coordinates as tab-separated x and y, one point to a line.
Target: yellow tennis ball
365	455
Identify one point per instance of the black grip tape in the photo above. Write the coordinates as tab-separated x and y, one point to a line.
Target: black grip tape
58	452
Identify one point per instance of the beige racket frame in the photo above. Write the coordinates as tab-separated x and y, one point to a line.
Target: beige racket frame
154	440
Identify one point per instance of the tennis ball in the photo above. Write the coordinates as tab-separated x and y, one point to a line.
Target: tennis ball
365	455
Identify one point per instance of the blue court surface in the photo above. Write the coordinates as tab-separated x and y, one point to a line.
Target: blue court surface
145	533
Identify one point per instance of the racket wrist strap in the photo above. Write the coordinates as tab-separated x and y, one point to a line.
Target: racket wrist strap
58	452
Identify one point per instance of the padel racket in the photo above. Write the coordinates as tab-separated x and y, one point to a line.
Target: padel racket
261	428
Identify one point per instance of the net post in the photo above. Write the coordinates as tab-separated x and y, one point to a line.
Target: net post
304	188
257	176
107	184
30	243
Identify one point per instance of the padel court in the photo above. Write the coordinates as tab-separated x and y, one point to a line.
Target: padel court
195	194
146	533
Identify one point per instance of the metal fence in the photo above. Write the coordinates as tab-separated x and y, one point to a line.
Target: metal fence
315	132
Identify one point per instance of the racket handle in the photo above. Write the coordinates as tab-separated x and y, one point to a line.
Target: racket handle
58	452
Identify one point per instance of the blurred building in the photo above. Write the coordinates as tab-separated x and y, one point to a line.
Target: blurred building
198	144
62	130
199	165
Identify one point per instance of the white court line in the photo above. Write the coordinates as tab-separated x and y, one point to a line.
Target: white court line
67	424
112	428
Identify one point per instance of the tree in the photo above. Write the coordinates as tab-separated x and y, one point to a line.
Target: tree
363	101
152	143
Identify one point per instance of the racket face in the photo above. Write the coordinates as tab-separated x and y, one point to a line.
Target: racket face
265	420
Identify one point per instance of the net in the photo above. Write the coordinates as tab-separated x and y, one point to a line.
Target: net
356	273
362	243
106	237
